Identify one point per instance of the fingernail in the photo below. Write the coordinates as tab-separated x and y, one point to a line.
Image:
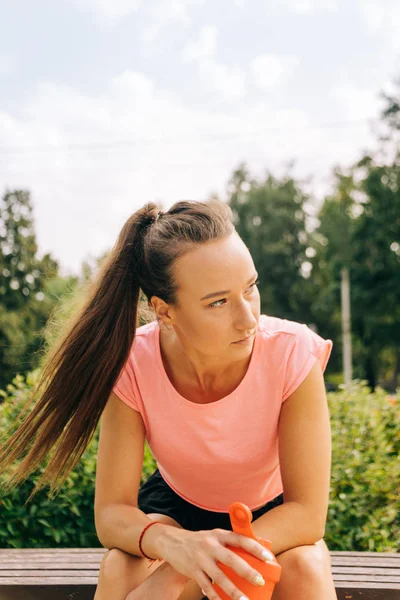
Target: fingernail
267	556
258	580
243	598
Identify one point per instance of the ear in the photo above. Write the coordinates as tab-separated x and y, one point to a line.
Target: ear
163	312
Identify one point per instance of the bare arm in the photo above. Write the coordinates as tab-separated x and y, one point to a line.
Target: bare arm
118	520
305	460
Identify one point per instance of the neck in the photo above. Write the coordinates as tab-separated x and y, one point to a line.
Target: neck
205	374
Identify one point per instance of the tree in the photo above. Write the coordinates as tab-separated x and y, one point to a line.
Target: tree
333	248
25	303
270	217
377	264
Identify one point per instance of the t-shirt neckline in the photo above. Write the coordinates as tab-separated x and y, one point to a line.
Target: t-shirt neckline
182	399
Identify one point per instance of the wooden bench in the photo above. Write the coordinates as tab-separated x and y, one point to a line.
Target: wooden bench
71	574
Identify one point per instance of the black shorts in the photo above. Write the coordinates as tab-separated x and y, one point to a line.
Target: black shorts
155	496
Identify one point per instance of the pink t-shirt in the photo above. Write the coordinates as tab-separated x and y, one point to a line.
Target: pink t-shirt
225	451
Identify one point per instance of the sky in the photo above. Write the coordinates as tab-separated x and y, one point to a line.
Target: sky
108	104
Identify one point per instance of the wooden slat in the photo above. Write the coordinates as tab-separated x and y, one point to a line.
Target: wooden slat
374	570
60	551
80	567
362	553
40	561
22	581
366	562
370	577
48	574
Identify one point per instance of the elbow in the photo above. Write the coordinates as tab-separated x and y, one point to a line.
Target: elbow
319	530
100	536
100	529
316	527
320	535
102	540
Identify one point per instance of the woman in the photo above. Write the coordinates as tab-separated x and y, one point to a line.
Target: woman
231	402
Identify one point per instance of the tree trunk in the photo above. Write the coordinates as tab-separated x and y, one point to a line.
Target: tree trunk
370	370
346	325
396	371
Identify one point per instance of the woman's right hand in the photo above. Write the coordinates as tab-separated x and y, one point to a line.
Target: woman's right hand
195	555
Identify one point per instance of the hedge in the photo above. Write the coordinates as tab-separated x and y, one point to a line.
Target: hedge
364	501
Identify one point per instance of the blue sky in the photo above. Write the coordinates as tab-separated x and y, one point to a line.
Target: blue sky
108	104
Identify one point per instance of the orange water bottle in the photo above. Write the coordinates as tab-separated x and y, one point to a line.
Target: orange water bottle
241	517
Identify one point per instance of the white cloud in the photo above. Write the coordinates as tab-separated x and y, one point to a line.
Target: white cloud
109	11
205	45
373	14
228	81
96	159
158	14
382	17
301	6
357	103
269	71
7	64
162	13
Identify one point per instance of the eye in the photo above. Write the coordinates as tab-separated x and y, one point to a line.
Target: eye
216	303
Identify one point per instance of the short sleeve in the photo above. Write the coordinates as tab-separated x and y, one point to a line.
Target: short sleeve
125	386
307	347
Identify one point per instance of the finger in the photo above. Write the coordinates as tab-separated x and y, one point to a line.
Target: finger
206	586
250	545
240	566
226	585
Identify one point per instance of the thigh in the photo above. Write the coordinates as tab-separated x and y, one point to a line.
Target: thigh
120	566
310	559
305	568
318	551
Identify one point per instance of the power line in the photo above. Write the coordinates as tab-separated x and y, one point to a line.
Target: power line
171	139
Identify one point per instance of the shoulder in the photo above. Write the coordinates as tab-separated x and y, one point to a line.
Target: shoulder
292	334
144	336
275	327
293	348
145	330
143	346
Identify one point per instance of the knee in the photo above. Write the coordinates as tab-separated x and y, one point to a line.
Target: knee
115	563
309	566
304	562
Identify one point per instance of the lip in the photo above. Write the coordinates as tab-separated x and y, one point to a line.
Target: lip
244	339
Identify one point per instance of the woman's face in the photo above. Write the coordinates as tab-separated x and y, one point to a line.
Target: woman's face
219	302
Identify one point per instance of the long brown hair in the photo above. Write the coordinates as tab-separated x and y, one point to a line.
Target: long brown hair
82	366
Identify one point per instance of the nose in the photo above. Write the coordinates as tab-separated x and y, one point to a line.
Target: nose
245	320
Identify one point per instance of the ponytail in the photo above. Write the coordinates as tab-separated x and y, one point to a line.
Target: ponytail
81	368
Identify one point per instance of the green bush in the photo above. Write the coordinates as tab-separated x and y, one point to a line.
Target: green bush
334	379
67	521
364	506
364	501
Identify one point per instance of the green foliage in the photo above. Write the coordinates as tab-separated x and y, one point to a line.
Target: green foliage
25	299
270	217
364	505
359	229
66	521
